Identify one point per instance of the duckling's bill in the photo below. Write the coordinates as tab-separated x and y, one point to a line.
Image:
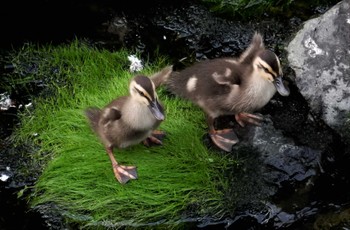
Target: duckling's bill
281	88
156	110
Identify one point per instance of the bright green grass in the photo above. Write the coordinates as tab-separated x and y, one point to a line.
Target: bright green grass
180	178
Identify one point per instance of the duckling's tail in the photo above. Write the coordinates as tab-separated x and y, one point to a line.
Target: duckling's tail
252	51
93	114
162	76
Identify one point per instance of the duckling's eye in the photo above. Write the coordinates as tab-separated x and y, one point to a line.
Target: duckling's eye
140	92
264	68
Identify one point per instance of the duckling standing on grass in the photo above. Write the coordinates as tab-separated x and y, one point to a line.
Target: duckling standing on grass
129	120
229	86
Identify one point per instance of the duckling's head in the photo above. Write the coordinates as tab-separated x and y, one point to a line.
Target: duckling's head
143	91
268	66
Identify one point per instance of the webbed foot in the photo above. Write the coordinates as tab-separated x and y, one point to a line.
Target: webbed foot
224	139
156	138
124	173
248	118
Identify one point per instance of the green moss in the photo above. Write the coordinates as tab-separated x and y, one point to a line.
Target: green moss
179	179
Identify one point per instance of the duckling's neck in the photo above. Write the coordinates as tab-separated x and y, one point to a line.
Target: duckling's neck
138	115
255	92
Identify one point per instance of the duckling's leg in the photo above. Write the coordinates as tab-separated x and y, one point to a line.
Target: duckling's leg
121	172
244	118
224	139
156	138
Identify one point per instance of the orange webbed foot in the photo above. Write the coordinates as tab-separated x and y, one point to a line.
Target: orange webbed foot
156	138
224	139
248	118
124	173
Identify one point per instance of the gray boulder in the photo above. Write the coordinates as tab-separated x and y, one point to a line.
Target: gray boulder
320	56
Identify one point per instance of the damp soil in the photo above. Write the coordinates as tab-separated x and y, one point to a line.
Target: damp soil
58	22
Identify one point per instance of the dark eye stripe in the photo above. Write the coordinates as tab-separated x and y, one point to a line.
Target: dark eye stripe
267	70
142	94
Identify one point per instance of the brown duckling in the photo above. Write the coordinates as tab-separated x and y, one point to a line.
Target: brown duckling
230	86
129	120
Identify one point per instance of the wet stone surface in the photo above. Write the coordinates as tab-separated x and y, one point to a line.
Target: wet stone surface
294	172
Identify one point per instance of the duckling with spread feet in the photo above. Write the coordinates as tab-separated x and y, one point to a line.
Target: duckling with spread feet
230	86
129	120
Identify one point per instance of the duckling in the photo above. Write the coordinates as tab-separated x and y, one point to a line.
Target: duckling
129	120
230	86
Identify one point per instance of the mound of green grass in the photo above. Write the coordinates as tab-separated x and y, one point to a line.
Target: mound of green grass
178	180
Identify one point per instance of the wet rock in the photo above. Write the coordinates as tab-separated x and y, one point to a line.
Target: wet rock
190	30
274	165
332	219
282	159
319	54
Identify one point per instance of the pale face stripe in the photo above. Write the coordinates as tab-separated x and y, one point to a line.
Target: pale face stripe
260	62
